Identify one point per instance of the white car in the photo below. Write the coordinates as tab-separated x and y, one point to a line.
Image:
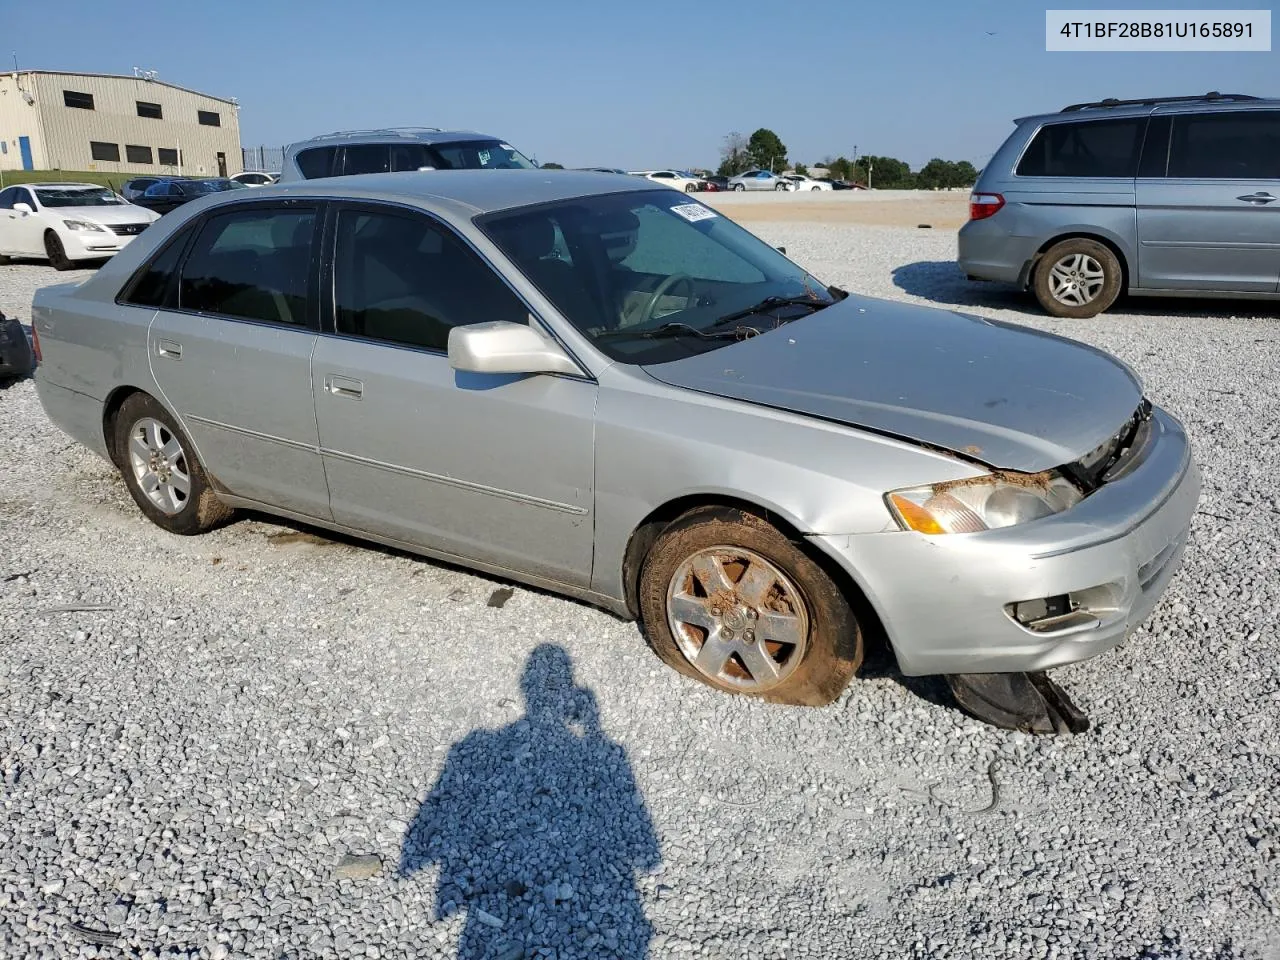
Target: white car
799	182
256	178
66	222
675	180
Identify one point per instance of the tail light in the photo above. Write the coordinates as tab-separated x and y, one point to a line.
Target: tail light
983	205
35	343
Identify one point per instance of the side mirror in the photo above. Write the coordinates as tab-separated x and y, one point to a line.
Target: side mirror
504	347
781	249
23	208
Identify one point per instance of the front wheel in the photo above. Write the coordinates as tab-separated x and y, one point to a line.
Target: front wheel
690	187
1077	279
738	186
729	600
56	253
161	470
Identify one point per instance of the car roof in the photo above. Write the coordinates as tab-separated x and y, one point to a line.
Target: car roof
61	184
392	135
1104	109
469	192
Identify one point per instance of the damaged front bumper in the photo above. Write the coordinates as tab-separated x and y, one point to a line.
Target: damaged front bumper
1028	598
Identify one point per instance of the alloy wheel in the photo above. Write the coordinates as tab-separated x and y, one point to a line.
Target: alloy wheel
159	465
1076	279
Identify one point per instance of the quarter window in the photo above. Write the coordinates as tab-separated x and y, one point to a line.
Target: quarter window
317	162
1087	148
251	264
137	154
1243	145
402	279
104	151
208	118
80	101
152	111
153	285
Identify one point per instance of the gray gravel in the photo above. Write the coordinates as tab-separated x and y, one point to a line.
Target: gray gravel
277	745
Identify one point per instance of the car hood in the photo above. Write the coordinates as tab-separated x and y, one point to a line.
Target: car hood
118	213
1003	395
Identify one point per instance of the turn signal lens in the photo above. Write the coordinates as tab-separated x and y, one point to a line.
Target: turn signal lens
914	516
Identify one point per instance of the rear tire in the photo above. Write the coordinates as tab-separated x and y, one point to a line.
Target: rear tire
727	599
738	186
55	252
161	471
1077	279
690	187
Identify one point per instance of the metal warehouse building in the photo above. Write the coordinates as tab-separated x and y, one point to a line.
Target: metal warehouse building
110	124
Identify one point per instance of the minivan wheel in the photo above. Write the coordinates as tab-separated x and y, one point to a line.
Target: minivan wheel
161	470
729	600
55	252
1078	278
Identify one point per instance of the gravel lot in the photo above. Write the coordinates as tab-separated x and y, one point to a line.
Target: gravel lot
207	768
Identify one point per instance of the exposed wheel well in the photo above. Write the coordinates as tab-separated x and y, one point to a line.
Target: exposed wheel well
115	400
1079	235
647	533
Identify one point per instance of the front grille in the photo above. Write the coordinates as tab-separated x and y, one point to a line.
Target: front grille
1118	454
127	229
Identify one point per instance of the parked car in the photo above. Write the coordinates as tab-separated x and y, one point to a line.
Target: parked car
255	178
135	187
66	223
170	194
1173	196
847	185
675	179
352	152
717	183
626	418
758	180
800	182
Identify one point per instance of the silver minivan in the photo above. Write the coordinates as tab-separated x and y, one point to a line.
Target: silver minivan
388	150
1176	196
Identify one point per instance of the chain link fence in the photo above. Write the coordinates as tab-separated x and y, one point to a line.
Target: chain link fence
266	159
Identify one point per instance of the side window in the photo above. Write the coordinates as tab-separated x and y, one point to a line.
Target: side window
252	264
153	285
1226	146
403	279
24	196
1085	148
317	162
410	156
7	197
366	158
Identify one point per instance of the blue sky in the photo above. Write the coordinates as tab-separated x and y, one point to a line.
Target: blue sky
633	85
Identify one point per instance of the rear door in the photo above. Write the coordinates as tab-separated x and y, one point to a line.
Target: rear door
1210	220
494	468
231	352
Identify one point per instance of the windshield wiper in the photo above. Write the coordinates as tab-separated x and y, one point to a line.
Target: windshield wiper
672	329
769	303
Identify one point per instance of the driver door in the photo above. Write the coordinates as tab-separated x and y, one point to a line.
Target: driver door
24	232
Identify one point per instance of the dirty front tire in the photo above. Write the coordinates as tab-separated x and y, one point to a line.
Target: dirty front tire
1077	279
161	470
729	600
55	252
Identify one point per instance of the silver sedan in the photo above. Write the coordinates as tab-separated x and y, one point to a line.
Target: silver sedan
610	390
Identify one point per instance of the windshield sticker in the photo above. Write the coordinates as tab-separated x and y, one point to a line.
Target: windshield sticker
693	212
484	157
506	146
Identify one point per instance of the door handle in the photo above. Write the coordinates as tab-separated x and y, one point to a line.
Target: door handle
1256	198
344	387
169	348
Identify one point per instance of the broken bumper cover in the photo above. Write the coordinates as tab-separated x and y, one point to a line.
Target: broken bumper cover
950	603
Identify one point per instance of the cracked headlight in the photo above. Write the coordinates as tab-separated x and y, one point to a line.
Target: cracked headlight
83	225
982	503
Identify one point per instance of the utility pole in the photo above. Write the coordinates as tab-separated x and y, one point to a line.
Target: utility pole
870	167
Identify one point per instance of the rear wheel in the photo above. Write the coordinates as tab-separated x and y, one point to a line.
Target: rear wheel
1078	278
54	251
161	470
727	599
738	186
690	187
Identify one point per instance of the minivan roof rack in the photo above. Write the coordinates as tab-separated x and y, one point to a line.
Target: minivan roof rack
1209	97
378	130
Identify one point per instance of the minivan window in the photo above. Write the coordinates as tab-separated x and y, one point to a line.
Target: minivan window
1242	145
1085	148
366	158
251	264
402	279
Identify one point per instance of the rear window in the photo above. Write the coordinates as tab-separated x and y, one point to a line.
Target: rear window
1086	148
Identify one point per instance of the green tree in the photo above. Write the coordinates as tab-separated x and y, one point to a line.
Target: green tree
839	169
733	155
766	150
888	173
552	166
802	169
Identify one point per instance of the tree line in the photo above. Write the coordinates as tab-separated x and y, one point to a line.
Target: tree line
765	150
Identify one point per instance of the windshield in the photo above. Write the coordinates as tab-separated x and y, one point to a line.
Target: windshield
77	197
651	275
201	187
